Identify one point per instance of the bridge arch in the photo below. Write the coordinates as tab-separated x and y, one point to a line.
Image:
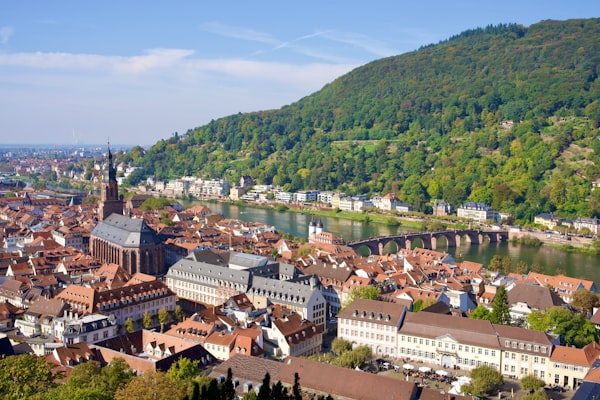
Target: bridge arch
429	239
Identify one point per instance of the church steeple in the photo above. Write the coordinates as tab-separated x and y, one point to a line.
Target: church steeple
110	202
109	173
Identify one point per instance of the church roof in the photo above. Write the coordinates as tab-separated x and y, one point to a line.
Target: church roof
125	231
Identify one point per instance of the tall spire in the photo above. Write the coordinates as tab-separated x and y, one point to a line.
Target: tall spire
110	173
110	202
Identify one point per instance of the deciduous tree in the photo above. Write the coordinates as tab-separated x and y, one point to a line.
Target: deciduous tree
532	383
129	325
179	314
481	312
25	375
163	318
152	385
484	380
584	300
147	320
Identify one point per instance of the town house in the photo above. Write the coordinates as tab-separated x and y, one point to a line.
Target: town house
372	323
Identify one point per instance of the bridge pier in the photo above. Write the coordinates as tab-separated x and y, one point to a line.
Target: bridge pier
453	239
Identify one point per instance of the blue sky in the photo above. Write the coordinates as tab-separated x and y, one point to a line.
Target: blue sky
138	71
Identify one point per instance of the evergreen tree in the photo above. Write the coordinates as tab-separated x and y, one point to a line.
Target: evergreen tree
265	390
212	392
228	388
196	391
296	390
500	310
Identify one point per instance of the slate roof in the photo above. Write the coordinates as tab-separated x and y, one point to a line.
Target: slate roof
125	232
281	292
199	268
245	260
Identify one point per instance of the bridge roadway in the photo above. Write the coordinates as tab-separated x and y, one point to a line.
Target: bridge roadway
429	239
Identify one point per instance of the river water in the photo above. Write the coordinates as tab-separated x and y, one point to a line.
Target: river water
551	260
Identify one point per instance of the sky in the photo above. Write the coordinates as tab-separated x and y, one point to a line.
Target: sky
135	72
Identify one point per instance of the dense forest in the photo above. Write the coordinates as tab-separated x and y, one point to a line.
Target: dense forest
506	115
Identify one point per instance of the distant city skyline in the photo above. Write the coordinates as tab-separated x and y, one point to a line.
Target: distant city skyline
139	71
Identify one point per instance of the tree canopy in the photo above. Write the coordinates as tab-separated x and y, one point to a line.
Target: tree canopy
484	380
573	328
23	376
506	115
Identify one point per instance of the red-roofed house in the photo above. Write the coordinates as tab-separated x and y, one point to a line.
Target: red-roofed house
569	365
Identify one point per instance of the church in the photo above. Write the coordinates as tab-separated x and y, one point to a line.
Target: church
118	239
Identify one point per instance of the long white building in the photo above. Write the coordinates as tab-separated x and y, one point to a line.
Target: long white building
447	341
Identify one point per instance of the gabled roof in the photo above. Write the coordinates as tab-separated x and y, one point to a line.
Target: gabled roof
535	296
329	272
80	298
464	330
125	232
379	312
295	329
585	356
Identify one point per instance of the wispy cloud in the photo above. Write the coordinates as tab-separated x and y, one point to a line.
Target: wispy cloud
153	59
305	44
361	41
95	89
5	34
239	33
180	65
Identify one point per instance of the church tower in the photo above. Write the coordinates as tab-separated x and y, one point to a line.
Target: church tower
110	202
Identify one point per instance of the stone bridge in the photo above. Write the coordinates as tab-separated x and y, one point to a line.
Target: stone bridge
429	239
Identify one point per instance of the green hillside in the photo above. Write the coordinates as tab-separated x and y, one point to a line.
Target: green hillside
507	115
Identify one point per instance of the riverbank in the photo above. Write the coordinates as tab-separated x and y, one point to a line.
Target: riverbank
569	244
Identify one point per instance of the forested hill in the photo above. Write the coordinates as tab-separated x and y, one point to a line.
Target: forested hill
506	115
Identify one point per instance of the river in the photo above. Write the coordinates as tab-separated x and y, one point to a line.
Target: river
551	260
